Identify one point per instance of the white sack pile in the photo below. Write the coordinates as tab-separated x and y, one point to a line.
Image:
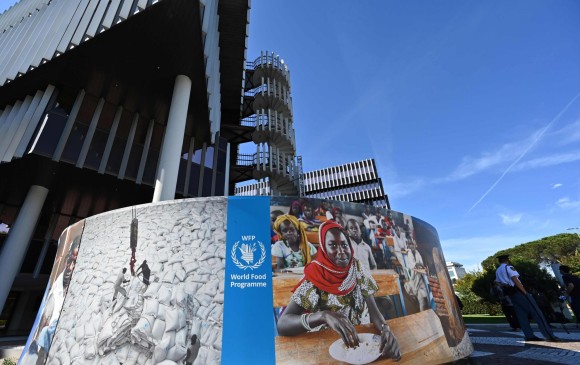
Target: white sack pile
184	245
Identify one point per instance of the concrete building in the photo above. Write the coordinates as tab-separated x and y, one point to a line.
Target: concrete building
352	182
356	182
456	270
107	104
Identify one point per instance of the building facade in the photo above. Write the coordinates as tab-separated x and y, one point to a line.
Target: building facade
107	104
356	182
456	270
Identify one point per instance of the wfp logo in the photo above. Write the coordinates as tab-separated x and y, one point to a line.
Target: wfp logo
247	253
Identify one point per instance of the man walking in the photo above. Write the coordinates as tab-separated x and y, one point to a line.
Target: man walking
524	304
120	280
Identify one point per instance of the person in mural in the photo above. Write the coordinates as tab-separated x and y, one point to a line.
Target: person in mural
337	293
273	235
524	303
292	250
323	209
417	283
407	229
71	261
307	219
118	284
192	350
335	213
51	313
144	269
362	251
295	209
400	251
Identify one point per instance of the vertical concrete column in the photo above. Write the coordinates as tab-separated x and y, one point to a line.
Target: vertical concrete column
201	170
227	177
18	239
168	168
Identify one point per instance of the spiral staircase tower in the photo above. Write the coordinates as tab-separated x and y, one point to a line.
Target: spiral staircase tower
267	122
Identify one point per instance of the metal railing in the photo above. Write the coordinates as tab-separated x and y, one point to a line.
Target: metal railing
268	59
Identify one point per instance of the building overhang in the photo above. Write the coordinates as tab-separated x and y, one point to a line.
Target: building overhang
135	62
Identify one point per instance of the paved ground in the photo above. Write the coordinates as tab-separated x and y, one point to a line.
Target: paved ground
497	344
493	344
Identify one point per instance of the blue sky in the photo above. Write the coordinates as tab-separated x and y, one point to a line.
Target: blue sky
470	109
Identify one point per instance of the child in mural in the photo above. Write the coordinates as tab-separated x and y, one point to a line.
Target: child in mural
292	250
417	282
295	209
400	251
336	292
273	234
307	219
362	251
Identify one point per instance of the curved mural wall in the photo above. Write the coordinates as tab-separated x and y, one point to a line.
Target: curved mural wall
243	280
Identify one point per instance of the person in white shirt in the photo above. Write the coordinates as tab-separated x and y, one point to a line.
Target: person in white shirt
362	251
118	284
524	303
400	250
416	285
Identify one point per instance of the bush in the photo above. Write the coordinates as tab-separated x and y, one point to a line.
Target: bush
8	362
473	305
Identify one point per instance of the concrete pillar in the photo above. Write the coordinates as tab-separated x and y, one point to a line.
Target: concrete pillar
227	177
201	170
168	168
18	239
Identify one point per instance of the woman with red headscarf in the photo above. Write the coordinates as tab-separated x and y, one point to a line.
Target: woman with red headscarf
336	292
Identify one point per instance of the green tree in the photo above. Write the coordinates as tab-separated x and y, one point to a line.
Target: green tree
573	261
555	248
475	301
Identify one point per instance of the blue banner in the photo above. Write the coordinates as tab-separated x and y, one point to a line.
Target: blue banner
249	327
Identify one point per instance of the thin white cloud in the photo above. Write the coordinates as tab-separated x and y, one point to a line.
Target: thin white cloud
510	219
508	156
568	134
525	151
474	165
568	204
546	161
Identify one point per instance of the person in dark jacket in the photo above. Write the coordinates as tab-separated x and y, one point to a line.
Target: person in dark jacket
572	283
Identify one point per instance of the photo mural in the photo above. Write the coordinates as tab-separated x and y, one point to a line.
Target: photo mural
244	280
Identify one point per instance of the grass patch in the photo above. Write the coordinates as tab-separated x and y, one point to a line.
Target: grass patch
483	319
